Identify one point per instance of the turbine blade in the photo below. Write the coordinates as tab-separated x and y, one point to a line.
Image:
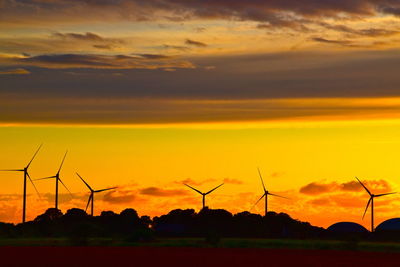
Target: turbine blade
262	181
87	205
264	195
381	195
34	186
201	193
11	170
65	186
214	189
34	155
102	190
364	186
277	195
369	202
62	162
45	178
85	182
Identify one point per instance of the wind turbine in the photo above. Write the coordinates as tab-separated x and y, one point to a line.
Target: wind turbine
203	194
26	174
58	179
92	192
371	201
266	194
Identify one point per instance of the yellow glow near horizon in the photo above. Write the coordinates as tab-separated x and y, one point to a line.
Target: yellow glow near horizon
136	158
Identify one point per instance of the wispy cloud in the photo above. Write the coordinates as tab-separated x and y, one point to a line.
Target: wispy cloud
195	43
162	192
176	47
233	181
195	182
273	12
97	61
370	32
318	188
336	42
79	36
18	71
120	196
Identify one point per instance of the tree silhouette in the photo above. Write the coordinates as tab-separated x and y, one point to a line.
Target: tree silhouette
212	224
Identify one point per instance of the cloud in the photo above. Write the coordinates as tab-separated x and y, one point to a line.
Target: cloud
336	42
351	43
295	24
232	181
297	86
195	43
141	110
153	56
176	47
320	202
275	13
392	8
89	37
18	71
352	186
371	32
192	182
338	200
160	192
200	29
318	188
9	197
63	197
378	186
78	36
96	61
119	196
106	46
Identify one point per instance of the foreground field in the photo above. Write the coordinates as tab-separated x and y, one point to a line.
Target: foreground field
202	243
168	256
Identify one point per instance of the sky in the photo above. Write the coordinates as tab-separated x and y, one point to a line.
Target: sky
148	95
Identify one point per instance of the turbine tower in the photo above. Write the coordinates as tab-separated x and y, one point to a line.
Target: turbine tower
266	194
58	179
203	194
26	174
371	201
92	192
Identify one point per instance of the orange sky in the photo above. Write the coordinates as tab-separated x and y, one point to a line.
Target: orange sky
312	163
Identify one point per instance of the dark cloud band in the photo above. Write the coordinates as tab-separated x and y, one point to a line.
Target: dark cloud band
274	12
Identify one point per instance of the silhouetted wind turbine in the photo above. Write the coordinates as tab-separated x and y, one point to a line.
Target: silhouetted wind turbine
58	179
371	201
92	192
26	174
203	194
266	194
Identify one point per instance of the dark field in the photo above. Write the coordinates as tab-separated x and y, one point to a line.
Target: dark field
169	256
226	243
